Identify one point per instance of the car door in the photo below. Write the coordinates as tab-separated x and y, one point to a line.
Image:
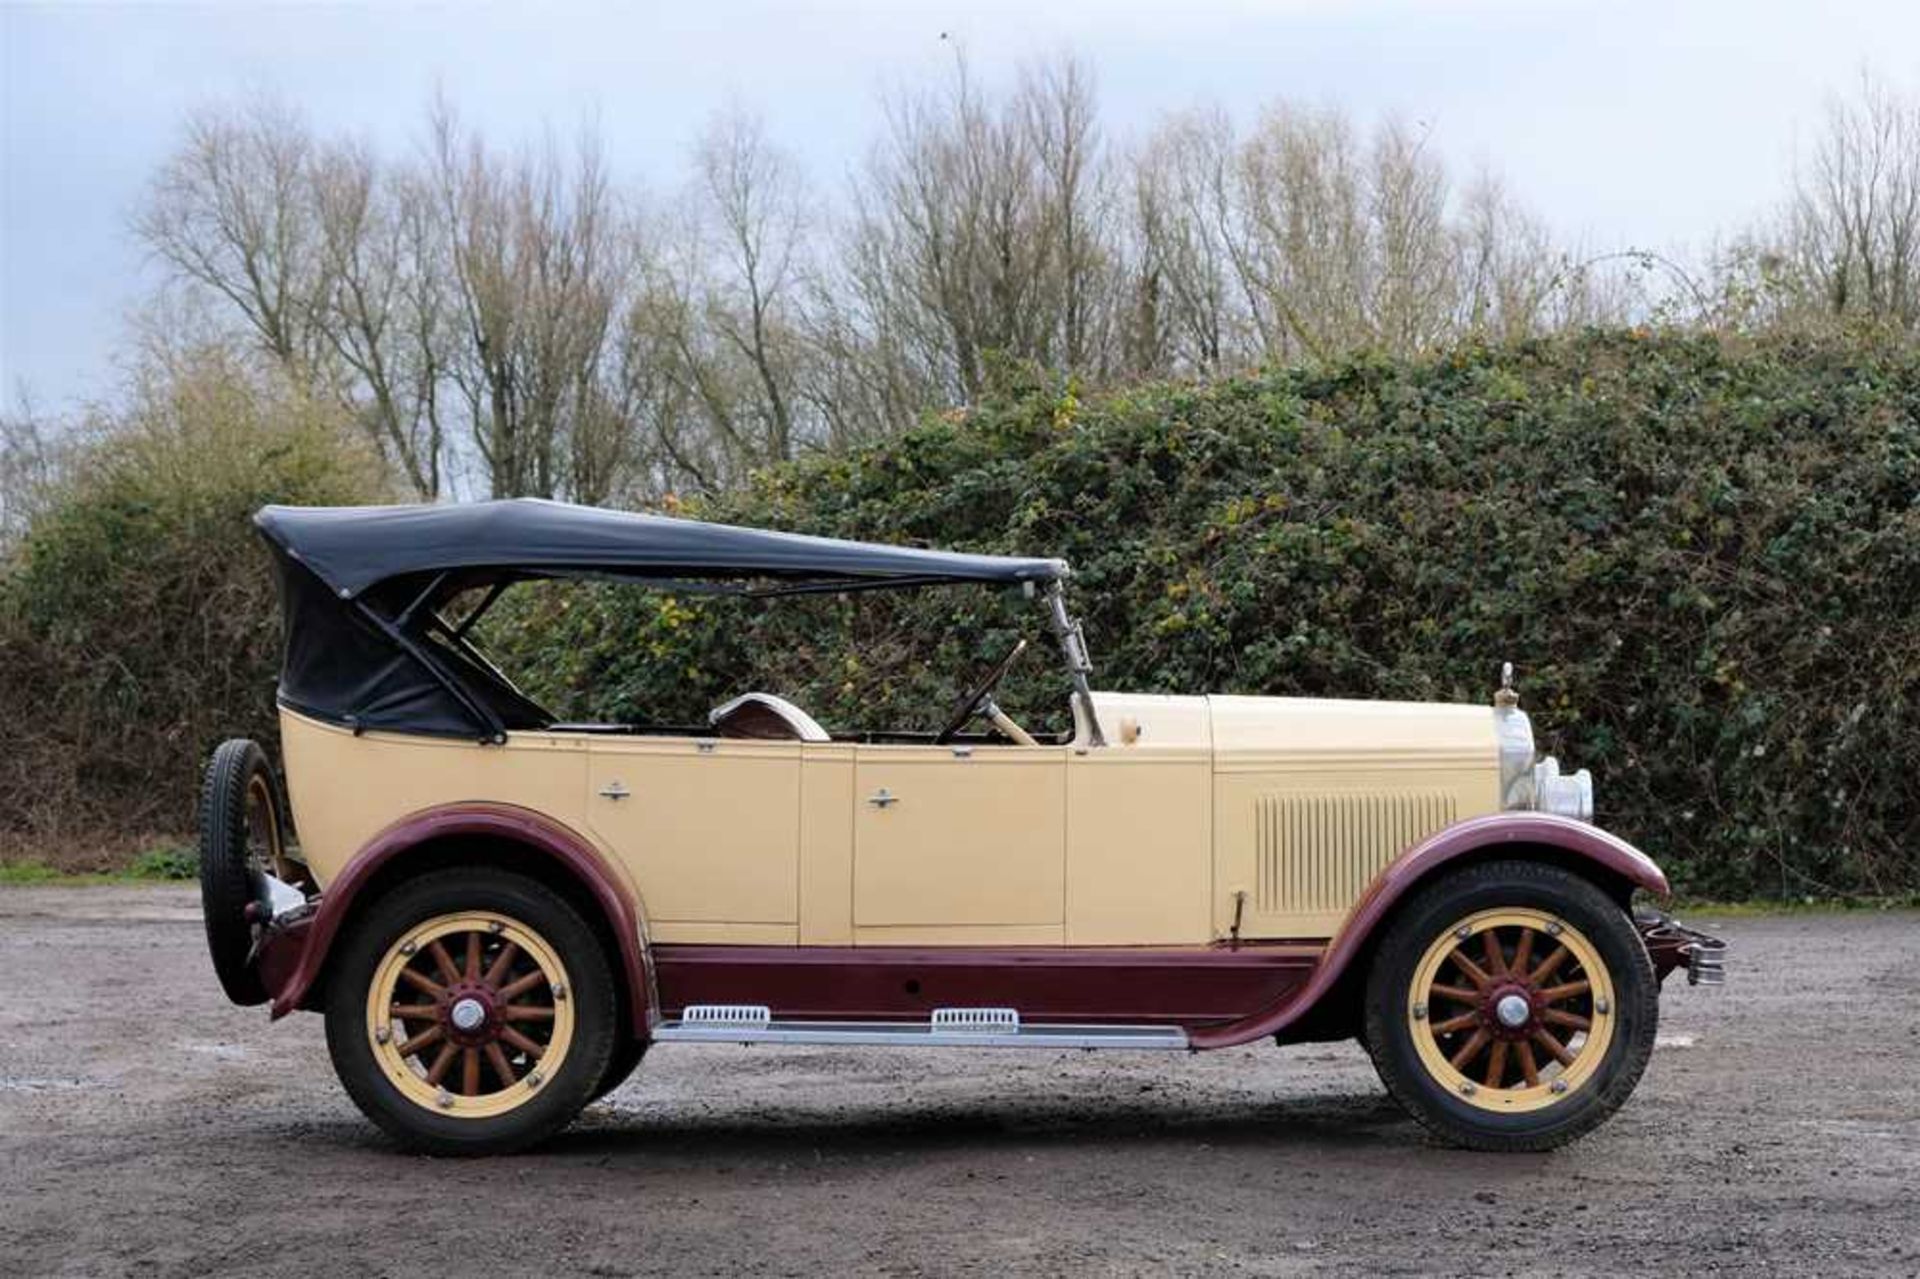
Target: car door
958	845
709	830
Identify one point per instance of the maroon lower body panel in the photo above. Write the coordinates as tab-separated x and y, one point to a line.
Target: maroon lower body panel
1120	985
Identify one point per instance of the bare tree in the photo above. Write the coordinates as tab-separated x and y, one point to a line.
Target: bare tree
948	236
536	267
1412	302
752	193
229	212
1187	316
1057	103
717	354
1852	233
31	460
383	314
511	323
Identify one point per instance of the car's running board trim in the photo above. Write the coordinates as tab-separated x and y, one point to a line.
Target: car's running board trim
734	1025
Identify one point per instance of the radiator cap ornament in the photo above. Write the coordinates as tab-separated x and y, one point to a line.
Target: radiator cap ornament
1506	697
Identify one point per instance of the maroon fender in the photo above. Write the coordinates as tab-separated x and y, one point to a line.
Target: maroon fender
1477	837
539	835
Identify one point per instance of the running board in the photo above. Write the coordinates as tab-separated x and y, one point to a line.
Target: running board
947	1028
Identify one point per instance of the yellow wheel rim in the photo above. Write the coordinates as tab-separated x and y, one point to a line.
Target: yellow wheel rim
264	843
470	1014
1512	1010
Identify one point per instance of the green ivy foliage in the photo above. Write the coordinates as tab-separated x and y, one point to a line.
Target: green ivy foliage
1702	556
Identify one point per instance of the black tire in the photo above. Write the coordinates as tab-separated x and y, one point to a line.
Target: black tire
625	1060
241	836
560	1096
1509	886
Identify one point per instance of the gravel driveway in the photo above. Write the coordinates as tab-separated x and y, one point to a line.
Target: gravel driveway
148	1127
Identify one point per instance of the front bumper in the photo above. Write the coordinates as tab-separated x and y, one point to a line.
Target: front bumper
1672	945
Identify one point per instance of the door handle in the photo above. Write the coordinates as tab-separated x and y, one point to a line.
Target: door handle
614	790
883	798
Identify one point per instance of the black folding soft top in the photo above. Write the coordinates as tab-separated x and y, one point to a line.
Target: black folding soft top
351	548
362	589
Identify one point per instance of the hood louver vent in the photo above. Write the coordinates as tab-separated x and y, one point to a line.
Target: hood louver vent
1316	852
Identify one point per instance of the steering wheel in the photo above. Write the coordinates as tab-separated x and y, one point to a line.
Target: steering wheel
970	702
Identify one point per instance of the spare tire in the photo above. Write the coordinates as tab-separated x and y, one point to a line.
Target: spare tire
240	844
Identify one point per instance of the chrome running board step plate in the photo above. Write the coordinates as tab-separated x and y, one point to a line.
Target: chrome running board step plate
946	1028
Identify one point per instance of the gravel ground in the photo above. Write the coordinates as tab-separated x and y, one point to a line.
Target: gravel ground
148	1127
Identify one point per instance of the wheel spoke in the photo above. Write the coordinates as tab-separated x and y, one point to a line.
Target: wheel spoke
425	1039
1470	970
1572	1021
1470	1049
1452	1024
1553	1046
424	984
470	1071
1458	993
501	1066
1497	1065
501	963
522	985
535	1012
1528	1070
413	1012
473	957
1496	960
521	1042
438	1070
1523	952
1547	965
449	971
1554	994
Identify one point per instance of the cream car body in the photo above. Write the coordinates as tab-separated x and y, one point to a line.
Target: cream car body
1197	810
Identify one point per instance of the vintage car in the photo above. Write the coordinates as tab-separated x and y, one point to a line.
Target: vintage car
499	913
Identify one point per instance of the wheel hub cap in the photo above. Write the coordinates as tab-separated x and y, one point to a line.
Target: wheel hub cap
471	1014
1512	1010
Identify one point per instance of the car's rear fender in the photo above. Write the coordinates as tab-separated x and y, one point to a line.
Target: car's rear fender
1608	860
294	965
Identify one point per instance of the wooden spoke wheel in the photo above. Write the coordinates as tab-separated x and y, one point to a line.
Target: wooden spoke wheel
469	1014
1512	1010
1511	1005
471	1011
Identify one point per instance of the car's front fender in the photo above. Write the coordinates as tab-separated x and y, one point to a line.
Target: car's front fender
1578	846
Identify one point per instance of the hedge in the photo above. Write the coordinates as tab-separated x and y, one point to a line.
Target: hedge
1702	556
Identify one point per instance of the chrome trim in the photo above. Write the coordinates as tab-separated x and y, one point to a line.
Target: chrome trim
1513	733
1707	963
1073	649
283	899
1562	794
982	1019
726	1016
921	1035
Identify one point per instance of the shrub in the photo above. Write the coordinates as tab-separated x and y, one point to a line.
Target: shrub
166	861
138	621
1704	559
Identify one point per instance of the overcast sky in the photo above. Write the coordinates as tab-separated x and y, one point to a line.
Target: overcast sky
1624	123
